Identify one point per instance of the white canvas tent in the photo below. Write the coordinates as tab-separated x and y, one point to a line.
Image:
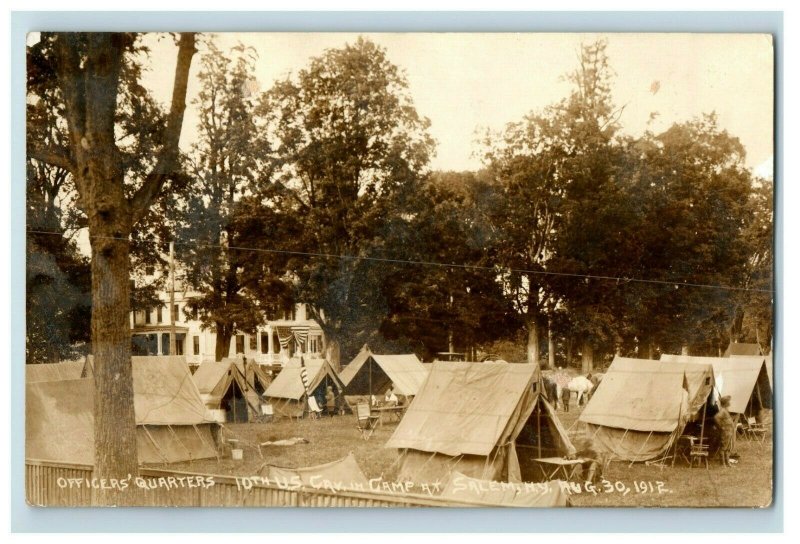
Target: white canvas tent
484	420
287	393
372	374
65	370
744	378
642	406
171	425
224	386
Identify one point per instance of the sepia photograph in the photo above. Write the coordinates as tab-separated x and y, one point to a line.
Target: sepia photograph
287	269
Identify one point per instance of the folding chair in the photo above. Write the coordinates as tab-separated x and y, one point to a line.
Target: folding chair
753	430
314	411
698	452
366	421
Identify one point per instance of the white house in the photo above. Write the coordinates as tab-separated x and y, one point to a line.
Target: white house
273	343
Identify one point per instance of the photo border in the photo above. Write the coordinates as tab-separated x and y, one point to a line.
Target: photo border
150	519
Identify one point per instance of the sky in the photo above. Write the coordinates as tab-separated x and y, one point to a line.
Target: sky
469	82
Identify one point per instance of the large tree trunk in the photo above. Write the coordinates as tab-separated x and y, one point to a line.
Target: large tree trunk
114	421
533	341
551	347
587	357
333	353
223	346
89	83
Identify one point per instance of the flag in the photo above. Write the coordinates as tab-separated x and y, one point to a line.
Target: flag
304	374
300	334
284	336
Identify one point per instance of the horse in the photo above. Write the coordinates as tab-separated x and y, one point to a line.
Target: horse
581	385
551	390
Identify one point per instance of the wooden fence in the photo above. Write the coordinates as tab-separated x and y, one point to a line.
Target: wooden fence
57	484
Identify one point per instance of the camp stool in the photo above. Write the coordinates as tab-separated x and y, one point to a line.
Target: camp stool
366	421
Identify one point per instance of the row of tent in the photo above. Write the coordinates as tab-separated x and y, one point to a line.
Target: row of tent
642	406
240	388
480	421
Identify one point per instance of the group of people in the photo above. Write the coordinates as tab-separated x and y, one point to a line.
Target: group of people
332	406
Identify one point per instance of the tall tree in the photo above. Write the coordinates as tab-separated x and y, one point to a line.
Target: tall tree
695	192
345	149
222	170
87	69
526	161
588	241
446	297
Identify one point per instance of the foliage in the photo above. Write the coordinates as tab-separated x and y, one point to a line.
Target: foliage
345	151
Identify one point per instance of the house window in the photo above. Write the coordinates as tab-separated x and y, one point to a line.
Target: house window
147	317
314	344
165	343
180	340
175	314
160	314
264	343
239	343
196	344
253	342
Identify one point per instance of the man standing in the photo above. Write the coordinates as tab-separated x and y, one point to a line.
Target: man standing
724	423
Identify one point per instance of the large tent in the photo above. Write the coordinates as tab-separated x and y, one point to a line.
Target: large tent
642	406
372	374
171	426
744	379
288	395
224	386
742	348
484	420
65	370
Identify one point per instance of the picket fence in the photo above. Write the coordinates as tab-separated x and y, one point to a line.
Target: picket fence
46	485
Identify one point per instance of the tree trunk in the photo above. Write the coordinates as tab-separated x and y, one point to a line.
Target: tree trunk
569	352
333	353
587	358
114	418
551	347
533	341
223	346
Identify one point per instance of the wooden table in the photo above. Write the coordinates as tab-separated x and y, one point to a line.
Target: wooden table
396	411
566	467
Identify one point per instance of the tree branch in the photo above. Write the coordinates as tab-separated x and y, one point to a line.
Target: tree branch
168	158
53	157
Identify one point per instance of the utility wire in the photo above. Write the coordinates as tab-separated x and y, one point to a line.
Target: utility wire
676	283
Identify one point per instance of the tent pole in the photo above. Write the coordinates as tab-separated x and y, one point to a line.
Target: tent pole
538	424
703	421
758	393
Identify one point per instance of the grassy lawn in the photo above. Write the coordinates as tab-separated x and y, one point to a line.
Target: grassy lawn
748	484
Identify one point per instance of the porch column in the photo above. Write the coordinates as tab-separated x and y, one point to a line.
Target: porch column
270	343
